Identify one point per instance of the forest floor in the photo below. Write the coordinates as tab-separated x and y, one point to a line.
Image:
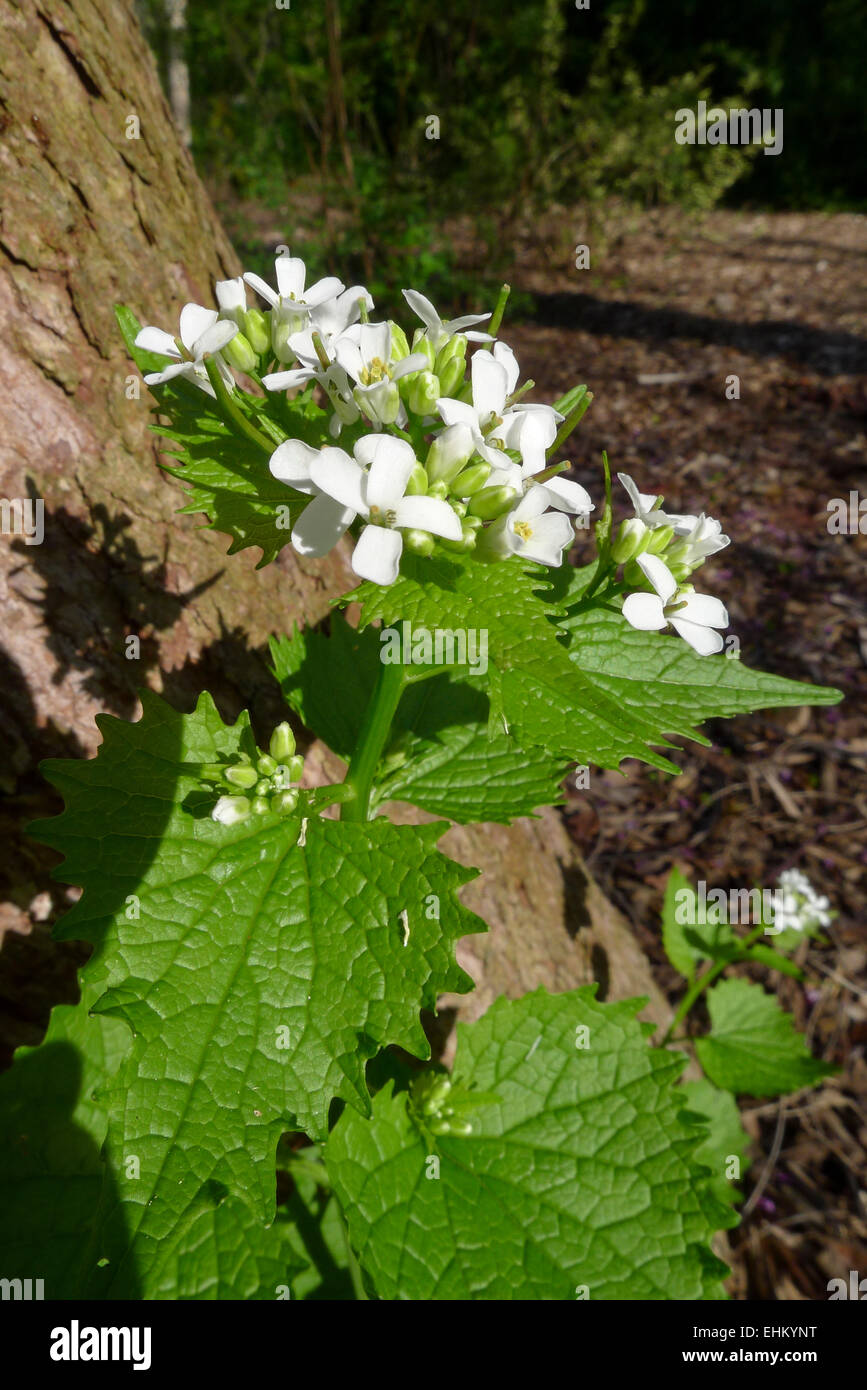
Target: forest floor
668	310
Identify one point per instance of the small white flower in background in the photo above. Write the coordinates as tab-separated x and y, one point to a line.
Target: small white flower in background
436	330
694	617
364	352
530	429
531	530
323	521
648	506
292	304
797	904
202	334
378	495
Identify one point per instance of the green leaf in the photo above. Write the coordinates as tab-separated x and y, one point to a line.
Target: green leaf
753	1047
659	679
726	1139
54	1180
581	1174
441	755
256	992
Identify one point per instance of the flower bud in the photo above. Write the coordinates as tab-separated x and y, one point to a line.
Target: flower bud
381	404
449	453
471	479
439	490
419	542
632	538
229	810
399	344
284	802
659	539
467	541
257	330
455	350
260	806
417	485
422	343
424	393
242	776
266	765
459	508
264	786
282	744
296	768
213	772
239	352
492	502
451	376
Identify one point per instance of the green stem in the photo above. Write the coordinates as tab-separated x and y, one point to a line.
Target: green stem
570	422
499	309
371	740
698	986
352	1263
231	413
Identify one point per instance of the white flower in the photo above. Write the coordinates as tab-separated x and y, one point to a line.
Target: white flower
378	495
292	304
439	332
323	521
364	352
530	429
648	505
202	334
697	542
693	616
797	904
531	531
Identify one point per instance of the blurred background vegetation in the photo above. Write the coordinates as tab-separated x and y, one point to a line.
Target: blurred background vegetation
321	114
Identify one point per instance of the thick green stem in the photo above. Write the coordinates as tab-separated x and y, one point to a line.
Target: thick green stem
698	986
372	739
231	413
499	309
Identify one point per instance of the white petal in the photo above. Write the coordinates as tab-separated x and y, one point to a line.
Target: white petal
320	526
291	462
659	575
349	356
323	291
537	434
703	640
416	362
644	611
390	469
290	276
569	496
369	445
215	337
231	294
457	413
429	514
377	555
168	373
535	501
157	340
467	321
284	381
427	313
195	319
705	610
503	354
374	340
341	477
258	284
489	384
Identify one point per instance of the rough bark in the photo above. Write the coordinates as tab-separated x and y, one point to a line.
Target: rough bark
91	217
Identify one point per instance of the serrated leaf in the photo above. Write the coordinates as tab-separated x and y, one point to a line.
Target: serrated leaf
440	756
687	939
726	1138
255	990
753	1047
660	679
582	1173
54	1182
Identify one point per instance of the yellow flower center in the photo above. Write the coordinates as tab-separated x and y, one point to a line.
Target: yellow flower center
376	370
523	529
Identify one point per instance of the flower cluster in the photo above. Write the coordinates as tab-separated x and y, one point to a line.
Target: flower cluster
798	906
256	785
431	1094
443	452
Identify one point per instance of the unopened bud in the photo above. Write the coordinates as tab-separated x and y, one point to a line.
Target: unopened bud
659	539
632	536
471	479
257	330
260	806
266	765
282	744
419	542
422	343
242	776
449	453
284	802
469	536
239	352
424	393
492	502
417	485
229	810
399	344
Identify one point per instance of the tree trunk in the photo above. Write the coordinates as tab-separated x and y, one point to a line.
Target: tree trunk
102	204
178	70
